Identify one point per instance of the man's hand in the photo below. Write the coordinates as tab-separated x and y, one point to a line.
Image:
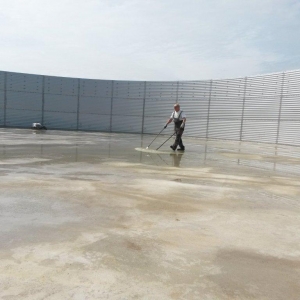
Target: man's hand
182	125
165	126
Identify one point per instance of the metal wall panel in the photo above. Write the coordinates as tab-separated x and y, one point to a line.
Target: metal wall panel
2	80
24	82
94	122
159	90
129	89
289	132
290	108
291	85
61	85
95	105
22	117
153	125
194	107
130	124
226	108
96	88
195	127
262	108
23	100
264	86
60	103
155	107
60	120
224	129
260	131
230	88
193	89
127	107
266	108
1	107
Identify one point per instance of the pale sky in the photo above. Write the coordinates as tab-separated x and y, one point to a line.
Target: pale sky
150	39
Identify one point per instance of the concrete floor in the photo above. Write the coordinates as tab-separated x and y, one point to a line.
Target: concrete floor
86	216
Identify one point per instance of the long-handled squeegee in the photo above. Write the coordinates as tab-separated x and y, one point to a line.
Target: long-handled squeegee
155	138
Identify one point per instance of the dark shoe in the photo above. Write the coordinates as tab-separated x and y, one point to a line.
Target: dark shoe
172	147
182	148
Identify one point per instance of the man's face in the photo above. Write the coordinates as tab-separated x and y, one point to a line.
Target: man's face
177	108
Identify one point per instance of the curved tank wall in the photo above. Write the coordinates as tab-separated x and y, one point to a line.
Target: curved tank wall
263	108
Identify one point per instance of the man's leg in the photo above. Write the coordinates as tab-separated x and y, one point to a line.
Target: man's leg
180	140
177	141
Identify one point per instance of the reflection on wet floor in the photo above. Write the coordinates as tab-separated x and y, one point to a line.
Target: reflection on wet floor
46	147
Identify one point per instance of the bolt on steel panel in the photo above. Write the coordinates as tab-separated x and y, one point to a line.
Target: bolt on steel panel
264	86
129	89
60	103
60	120
22	117
61	85
96	88
94	122
127	107
131	124
95	105
193	89
24	100
24	82
231	88
259	131
162	90
291	83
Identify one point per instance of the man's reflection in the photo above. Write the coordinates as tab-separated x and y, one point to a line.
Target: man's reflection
176	159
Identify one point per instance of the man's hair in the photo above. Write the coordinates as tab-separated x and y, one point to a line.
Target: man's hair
176	105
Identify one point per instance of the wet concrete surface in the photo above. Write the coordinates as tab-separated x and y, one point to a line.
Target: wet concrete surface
86	216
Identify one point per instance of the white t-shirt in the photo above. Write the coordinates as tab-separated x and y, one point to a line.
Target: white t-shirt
175	115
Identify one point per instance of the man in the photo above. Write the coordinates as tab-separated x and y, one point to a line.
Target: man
179	119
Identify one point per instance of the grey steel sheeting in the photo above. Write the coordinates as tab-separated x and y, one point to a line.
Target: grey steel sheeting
1	107
260	131
289	132
60	103
24	82
128	124
96	88
23	100
128	89
94	122
22	117
61	85
95	105
263	108
127	107
60	120
2	79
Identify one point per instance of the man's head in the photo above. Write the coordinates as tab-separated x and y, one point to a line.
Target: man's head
176	107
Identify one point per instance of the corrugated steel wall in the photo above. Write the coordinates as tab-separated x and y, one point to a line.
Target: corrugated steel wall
263	108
